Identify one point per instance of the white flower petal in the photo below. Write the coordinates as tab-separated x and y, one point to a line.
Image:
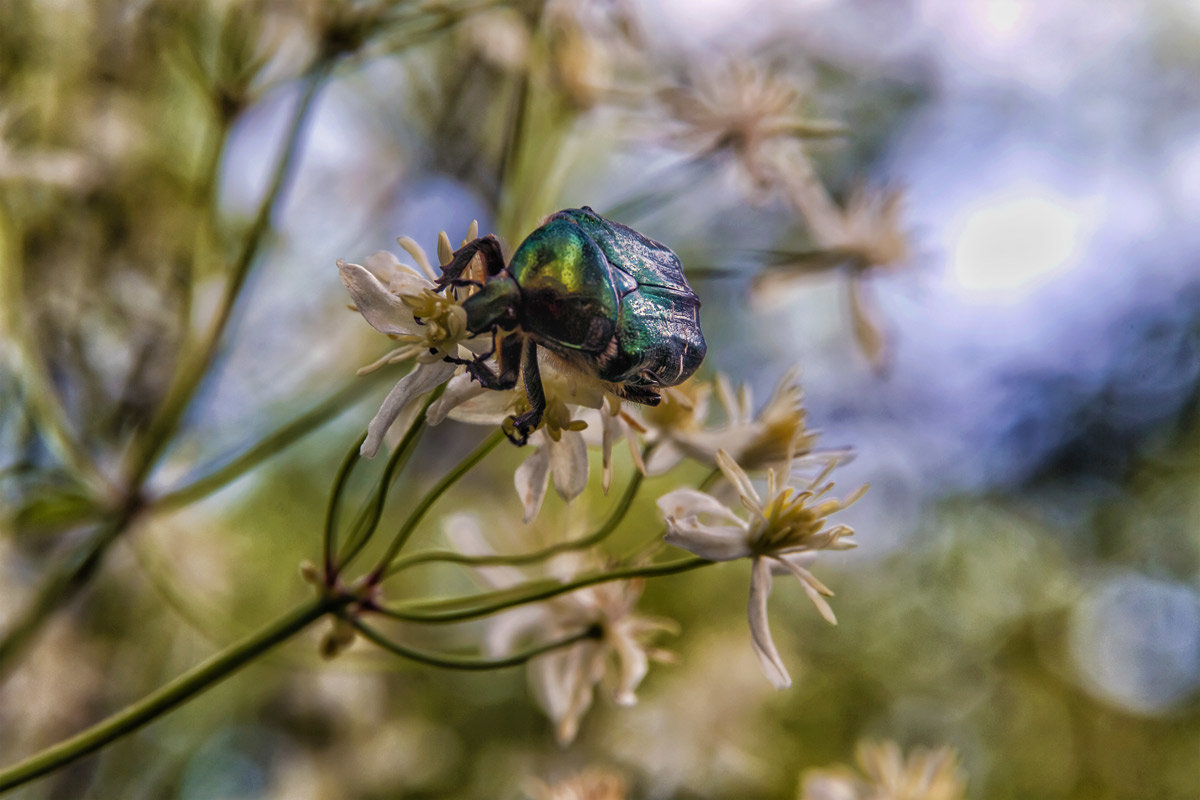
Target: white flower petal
531	479
506	630
738	477
632	660
460	389
486	407
713	542
464	533
812	587
569	463
378	305
760	631
423	379
662	458
685	502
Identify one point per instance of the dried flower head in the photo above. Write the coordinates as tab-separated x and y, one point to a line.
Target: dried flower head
744	110
782	531
888	775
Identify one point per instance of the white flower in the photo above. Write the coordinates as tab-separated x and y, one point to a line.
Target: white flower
563	681
560	450
772	436
401	301
782	532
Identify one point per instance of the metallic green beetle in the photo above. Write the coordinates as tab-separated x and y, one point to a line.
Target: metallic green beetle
607	300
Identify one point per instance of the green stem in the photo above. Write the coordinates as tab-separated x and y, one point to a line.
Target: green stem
467	663
418	513
183	688
460	609
177	403
370	514
64	581
594	538
329	539
273	443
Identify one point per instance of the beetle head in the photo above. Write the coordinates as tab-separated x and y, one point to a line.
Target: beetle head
494	305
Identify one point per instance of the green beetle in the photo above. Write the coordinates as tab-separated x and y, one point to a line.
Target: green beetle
601	296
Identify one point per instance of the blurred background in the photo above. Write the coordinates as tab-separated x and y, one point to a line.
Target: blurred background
971	226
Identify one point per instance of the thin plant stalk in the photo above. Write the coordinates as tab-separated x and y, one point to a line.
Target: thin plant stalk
192	683
596	537
426	502
69	576
461	609
468	663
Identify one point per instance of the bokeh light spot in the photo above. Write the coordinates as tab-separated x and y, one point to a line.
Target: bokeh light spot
1010	244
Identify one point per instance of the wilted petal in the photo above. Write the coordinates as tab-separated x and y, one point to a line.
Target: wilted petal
378	305
424	378
760	631
569	463
531	479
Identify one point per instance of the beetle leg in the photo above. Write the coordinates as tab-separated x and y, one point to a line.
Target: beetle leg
509	364
640	394
488	247
525	424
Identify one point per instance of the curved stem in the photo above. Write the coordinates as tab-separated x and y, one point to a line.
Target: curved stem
65	580
329	538
369	515
459	609
594	538
468	663
426	502
273	443
183	688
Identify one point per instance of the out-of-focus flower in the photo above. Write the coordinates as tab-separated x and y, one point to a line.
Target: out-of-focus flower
593	783
401	301
774	435
499	35
784	532
589	42
866	234
888	775
742	109
564	681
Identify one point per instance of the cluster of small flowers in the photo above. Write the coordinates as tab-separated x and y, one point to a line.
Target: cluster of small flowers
781	530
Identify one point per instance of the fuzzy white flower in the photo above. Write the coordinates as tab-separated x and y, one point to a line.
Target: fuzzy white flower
887	775
564	681
782	532
401	301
